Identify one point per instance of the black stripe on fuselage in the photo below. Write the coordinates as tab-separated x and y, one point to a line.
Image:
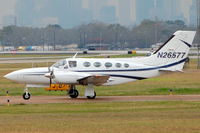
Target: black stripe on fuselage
130	77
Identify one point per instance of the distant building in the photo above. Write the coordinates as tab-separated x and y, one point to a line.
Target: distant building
95	7
70	13
9	20
172	10
85	16
143	9
25	12
66	13
160	9
108	14
124	12
193	14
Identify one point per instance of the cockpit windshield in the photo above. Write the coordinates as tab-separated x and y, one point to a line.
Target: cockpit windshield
60	63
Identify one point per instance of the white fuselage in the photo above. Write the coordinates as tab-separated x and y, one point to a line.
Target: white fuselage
68	71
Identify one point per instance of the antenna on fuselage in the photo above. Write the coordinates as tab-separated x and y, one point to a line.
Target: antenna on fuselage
75	55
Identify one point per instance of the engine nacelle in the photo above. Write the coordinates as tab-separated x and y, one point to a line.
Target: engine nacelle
62	77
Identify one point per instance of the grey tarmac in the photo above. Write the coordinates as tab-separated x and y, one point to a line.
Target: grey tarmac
65	99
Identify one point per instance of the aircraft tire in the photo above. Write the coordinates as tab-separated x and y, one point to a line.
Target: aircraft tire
73	93
26	96
92	97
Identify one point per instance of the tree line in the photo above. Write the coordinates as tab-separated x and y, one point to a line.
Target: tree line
119	37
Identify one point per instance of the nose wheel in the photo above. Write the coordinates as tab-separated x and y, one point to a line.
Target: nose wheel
26	95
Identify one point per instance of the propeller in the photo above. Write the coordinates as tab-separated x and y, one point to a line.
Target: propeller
50	75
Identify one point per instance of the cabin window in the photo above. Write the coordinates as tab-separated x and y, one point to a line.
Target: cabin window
108	64
126	65
86	64
118	65
97	64
72	63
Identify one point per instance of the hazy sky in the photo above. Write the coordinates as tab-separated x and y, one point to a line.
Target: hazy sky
7	7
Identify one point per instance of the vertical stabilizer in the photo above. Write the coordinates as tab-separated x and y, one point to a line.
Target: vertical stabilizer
174	52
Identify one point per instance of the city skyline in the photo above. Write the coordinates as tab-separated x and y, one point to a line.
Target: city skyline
70	13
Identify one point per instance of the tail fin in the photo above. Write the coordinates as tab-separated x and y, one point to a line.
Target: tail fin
174	52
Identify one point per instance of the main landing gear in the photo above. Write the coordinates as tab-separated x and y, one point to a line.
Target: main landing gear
92	97
89	92
73	92
26	95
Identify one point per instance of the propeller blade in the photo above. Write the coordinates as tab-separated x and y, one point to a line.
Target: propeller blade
50	82
50	75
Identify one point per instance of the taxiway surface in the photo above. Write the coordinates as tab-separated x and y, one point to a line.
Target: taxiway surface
65	99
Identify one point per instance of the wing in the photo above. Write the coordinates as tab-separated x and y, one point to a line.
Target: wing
95	80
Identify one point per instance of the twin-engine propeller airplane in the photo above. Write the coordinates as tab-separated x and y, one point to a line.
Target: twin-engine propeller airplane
170	57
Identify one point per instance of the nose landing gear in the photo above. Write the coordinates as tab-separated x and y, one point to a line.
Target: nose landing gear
26	95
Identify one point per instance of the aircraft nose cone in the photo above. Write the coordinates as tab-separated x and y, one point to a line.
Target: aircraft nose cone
8	76
11	76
